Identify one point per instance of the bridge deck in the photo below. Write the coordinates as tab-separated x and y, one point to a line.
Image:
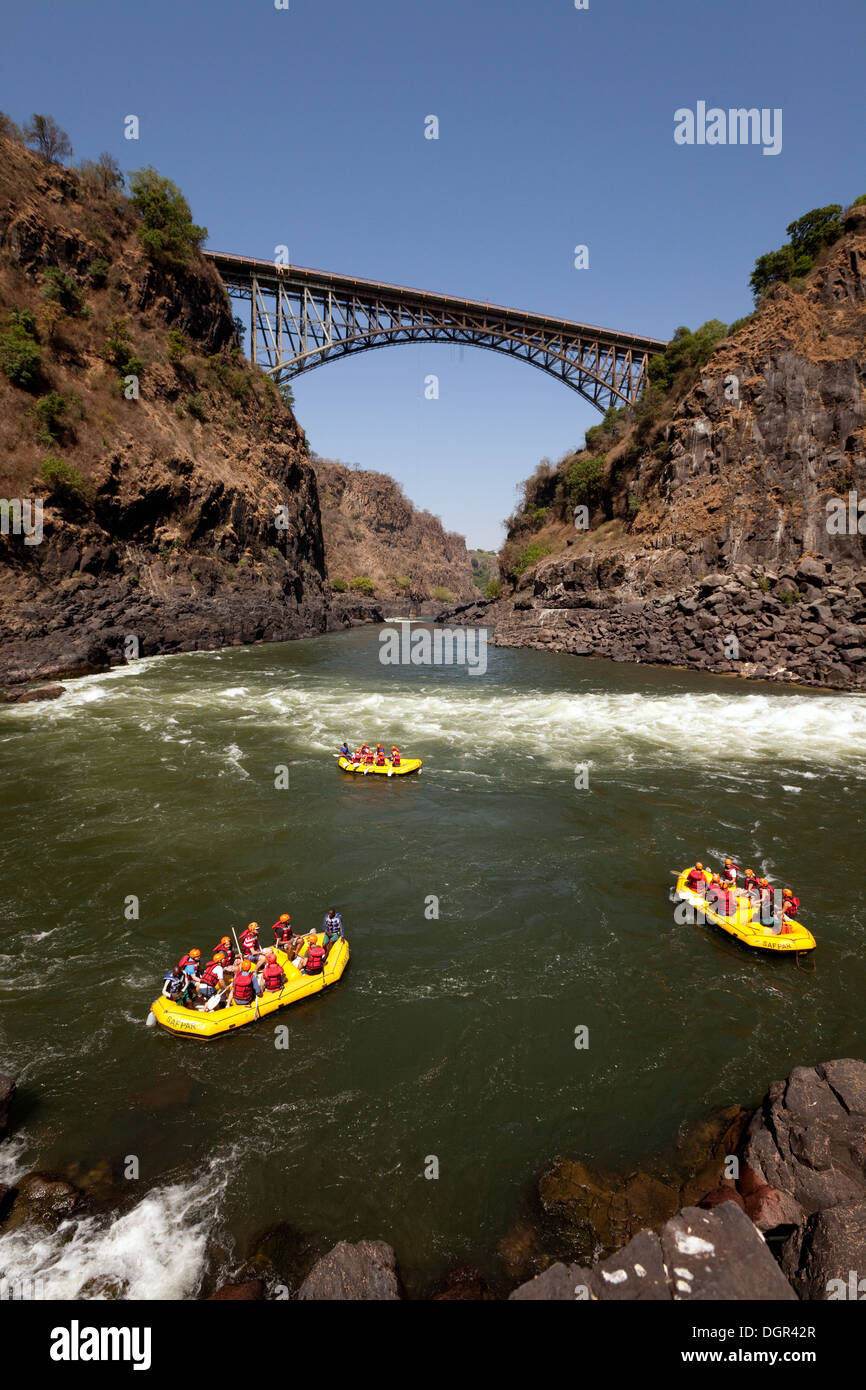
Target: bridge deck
245	268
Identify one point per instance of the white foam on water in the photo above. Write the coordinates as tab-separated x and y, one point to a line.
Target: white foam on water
157	1250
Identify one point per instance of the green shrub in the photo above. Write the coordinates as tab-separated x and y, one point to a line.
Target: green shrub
738	323
363	584
494	588
47	411
789	596
764	584
339	586
97	272
584	481
177	346
400	581
686	351
58	287
530	555
20	358
168	232
858	202
117	349
195	405
65	483
442	594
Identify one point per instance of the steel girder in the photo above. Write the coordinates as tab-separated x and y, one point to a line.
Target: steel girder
301	318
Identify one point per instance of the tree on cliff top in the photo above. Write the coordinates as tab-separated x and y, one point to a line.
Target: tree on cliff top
168	232
809	235
45	136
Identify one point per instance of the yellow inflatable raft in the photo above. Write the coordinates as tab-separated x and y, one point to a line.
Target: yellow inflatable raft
204	1023
745	923
388	770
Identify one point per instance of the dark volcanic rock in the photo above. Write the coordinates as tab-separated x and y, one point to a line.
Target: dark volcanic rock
367	1270
247	1292
43	1199
719	1255
560	1282
635	1274
809	1137
819	1259
43	692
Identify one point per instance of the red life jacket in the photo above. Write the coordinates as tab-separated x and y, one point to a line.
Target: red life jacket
250	942
356	757
315	960
696	881
395	759
227	951
380	760
243	987
184	961
283	932
209	975
274	977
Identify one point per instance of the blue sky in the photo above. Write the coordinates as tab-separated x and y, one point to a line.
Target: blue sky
306	127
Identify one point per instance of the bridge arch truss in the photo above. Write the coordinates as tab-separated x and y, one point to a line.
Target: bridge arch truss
301	318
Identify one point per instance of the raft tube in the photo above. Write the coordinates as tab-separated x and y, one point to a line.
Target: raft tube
407	765
746	924
202	1023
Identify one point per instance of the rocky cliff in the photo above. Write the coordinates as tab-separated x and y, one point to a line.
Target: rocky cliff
373	533
179	508
723	531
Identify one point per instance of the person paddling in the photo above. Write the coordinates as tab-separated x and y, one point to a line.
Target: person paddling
345	751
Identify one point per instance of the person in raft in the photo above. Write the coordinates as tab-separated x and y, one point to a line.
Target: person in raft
345	751
273	976
283	930
245	985
395	756
332	927
212	977
249	943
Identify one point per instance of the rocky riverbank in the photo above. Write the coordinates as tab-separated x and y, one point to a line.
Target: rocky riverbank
763	1205
723	528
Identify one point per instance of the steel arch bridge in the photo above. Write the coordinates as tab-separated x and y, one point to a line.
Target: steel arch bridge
301	318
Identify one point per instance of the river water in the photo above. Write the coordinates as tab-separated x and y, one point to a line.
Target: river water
449	1037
